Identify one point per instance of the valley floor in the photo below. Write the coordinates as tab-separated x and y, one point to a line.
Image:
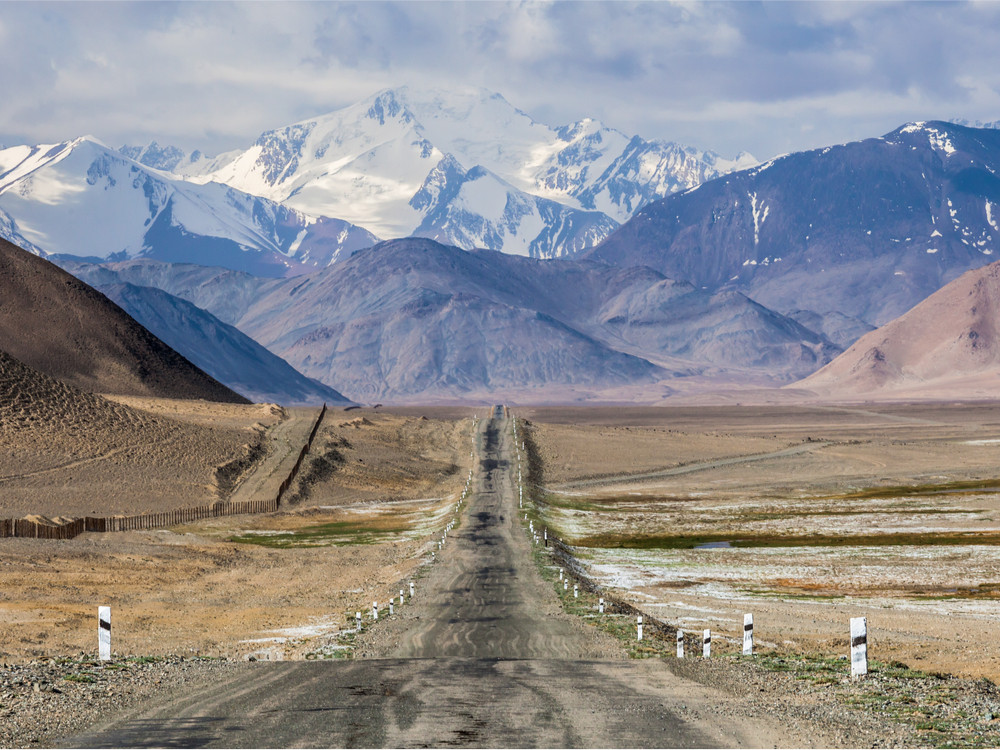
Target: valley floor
804	516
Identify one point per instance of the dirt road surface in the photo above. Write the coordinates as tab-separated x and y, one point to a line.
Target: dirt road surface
287	439
482	656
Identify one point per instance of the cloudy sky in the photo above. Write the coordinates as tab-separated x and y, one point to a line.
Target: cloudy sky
762	77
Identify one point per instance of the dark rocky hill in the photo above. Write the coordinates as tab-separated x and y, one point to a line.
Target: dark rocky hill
63	328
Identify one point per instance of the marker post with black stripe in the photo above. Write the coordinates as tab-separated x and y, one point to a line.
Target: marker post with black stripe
706	644
104	633
859	646
748	635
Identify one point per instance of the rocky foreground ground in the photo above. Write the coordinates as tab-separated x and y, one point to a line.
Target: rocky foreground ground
41	701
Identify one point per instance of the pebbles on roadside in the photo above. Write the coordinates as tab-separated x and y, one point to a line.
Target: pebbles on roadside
43	700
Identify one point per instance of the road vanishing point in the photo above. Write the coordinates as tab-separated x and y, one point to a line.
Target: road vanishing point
484	656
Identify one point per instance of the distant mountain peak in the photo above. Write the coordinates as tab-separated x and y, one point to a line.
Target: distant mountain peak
374	161
542	190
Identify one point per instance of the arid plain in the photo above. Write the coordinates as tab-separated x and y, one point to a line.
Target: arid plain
356	520
804	515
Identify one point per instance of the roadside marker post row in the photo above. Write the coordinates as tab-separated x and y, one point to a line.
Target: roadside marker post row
357	615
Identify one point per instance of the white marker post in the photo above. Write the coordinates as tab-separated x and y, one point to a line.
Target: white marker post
390	608
411	589
639	626
859	646
375	610
401	597
748	635
680	644
600	605
706	644
576	591
566	584
357	621
560	574
104	633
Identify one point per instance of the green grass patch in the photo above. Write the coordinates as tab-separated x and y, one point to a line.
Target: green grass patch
80	677
973	486
337	533
612	504
980	591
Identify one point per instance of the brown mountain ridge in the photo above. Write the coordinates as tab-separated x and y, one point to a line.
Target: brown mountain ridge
946	346
63	328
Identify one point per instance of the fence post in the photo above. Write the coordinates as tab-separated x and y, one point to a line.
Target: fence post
859	646
748	635
104	633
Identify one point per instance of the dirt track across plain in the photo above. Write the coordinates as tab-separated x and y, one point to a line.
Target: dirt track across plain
483	656
287	439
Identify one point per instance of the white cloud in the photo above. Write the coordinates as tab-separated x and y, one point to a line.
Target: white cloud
763	77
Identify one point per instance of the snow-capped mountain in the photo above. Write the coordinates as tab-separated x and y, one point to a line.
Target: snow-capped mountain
857	233
81	198
165	158
463	167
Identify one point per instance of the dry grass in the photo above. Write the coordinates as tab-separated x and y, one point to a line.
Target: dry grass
70	453
219	587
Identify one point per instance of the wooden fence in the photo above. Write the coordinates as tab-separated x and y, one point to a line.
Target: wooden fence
27	528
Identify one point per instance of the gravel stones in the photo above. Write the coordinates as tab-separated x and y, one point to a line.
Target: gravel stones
43	700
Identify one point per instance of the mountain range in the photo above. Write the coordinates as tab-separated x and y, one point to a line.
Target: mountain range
462	167
82	199
759	276
860	232
417	320
222	351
